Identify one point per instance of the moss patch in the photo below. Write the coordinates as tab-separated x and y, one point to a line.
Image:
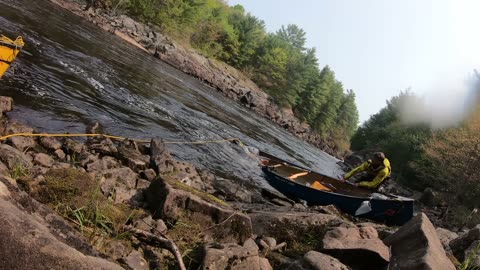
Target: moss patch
300	238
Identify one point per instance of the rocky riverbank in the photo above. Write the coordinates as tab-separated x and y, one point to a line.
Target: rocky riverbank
103	204
231	82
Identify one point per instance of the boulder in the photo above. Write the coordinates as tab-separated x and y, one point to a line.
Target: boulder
133	158
169	204
43	160
72	147
5	104
19	142
3	169
149	174
430	197
136	261
462	243
160	159
41	241
13	158
104	147
356	247
382	231
446	237
233	256
118	177
318	261
472	254
264	221
416	246
60	154
50	143
100	165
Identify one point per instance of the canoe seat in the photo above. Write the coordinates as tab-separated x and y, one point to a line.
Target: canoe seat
316	185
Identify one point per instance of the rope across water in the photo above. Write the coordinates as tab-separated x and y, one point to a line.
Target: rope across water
110	137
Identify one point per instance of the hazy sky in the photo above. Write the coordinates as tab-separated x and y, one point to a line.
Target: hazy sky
380	47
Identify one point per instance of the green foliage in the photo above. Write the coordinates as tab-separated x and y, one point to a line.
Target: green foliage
466	264
446	160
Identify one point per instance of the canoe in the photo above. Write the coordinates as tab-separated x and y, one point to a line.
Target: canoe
297	182
8	51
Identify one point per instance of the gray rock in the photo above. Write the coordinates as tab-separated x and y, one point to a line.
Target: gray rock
72	147
142	184
462	243
133	158
472	253
319	261
124	195
353	248
27	243
50	143
13	158
416	246
430	197
170	204
60	154
144	224
160	160
160	226
271	242
149	174
104	147
5	104
128	24
118	177
136	261
43	160
3	169
263	220
264	264
232	256
20	142
99	165
446	237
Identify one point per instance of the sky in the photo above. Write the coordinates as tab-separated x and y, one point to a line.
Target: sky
381	47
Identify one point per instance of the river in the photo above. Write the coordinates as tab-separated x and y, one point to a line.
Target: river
71	74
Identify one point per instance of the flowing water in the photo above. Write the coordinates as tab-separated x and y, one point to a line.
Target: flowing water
71	74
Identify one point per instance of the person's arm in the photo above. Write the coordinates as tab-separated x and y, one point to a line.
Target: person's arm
381	175
356	170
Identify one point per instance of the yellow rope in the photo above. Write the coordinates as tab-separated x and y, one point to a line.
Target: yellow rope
110	137
17	42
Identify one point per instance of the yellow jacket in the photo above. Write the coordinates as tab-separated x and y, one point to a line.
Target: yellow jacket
381	173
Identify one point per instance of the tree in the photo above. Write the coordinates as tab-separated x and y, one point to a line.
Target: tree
250	32
294	35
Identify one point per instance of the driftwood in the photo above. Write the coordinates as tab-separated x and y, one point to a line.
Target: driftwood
160	241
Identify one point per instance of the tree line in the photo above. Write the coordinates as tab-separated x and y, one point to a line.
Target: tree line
279	62
444	159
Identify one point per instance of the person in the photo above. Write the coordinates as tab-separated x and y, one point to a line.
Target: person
376	170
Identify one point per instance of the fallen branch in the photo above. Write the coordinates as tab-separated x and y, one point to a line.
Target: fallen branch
159	241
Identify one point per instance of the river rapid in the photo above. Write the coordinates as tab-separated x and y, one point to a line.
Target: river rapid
71	74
